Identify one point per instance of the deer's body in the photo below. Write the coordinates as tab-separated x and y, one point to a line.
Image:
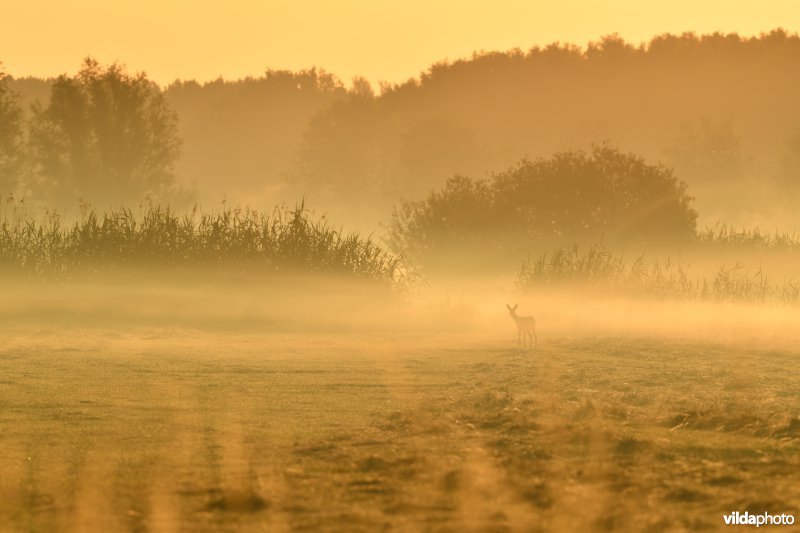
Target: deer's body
526	325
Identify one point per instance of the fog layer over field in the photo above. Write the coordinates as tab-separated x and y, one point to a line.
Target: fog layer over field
300	404
176	353
305	305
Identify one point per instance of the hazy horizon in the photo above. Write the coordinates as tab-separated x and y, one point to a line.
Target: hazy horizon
547	288
193	42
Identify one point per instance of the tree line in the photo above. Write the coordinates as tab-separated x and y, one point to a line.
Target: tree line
720	109
105	137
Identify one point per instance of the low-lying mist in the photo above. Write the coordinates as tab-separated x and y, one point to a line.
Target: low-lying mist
181	374
288	272
306	305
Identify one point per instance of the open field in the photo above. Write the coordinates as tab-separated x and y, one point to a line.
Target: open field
297	298
162	428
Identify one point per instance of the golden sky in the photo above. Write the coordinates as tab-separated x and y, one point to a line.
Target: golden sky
380	39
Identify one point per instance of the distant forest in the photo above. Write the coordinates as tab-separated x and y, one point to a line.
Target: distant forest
721	110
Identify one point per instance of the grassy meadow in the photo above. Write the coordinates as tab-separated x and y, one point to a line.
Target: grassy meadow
153	420
237	372
292	302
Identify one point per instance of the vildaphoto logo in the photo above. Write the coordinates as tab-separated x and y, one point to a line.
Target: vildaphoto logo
765	519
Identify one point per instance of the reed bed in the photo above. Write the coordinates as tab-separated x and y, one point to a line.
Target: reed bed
723	235
233	240
599	268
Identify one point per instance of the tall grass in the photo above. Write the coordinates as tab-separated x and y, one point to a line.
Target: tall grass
599	268
722	235
235	240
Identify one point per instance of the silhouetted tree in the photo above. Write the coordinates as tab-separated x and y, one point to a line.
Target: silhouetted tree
354	148
358	149
348	152
243	135
572	197
485	112
708	152
11	147
105	136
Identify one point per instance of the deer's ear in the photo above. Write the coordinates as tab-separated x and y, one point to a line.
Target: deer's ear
515	306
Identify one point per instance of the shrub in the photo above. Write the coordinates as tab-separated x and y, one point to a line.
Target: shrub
573	197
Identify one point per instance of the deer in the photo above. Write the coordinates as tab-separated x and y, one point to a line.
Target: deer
525	325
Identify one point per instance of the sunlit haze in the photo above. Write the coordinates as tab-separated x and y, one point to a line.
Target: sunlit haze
421	265
389	41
